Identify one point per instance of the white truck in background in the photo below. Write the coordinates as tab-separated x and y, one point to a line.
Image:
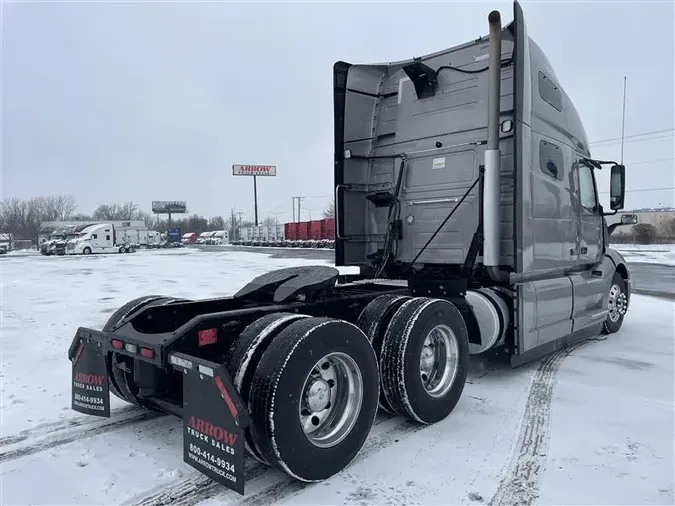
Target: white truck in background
203	237
154	239
218	237
100	238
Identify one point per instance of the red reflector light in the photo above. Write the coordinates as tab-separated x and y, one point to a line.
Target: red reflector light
117	344
208	336
148	353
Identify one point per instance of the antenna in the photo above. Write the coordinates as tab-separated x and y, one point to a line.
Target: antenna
623	121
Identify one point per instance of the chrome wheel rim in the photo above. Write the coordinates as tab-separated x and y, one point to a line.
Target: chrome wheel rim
617	303
331	399
439	361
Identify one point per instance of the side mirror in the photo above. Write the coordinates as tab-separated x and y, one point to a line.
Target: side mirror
617	187
629	219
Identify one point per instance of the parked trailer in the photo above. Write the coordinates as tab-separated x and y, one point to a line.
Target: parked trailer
328	229
291	231
292	369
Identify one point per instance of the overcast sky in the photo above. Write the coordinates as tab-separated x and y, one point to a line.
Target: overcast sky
116	102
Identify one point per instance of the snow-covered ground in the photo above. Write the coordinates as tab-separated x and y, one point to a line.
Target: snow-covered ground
588	425
663	254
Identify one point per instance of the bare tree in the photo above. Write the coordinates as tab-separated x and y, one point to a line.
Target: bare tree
645	233
116	212
14	217
63	206
148	218
329	212
128	211
217	223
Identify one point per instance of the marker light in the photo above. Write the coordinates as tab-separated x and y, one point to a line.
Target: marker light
207	336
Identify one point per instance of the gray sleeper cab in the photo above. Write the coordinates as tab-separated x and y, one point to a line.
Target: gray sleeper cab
417	132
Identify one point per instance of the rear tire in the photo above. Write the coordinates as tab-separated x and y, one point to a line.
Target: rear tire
244	356
121	382
316	434
373	321
424	359
112	322
617	303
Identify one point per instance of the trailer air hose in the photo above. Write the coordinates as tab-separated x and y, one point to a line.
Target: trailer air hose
392	219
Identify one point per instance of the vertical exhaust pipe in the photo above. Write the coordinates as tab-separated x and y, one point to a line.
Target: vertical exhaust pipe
492	183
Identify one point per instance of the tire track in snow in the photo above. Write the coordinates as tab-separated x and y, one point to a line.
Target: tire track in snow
197	488
284	490
520	484
57	439
47	428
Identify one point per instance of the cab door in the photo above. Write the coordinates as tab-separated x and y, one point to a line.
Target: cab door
590	247
589	282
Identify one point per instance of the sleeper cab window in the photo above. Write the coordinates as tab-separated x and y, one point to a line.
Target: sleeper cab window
549	91
551	160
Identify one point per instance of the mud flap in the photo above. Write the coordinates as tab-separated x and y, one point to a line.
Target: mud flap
214	419
91	389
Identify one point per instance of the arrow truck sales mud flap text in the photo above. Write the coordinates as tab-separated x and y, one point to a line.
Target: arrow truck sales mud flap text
213	443
90	391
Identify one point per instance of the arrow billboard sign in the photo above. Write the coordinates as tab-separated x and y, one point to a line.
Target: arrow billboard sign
254	170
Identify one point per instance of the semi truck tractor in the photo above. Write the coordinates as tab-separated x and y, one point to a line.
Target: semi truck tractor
99	238
466	199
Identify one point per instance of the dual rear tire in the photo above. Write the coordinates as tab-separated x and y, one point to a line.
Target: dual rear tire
313	385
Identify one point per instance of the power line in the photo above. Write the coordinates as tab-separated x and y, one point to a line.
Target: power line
658	160
653	132
648	189
633	141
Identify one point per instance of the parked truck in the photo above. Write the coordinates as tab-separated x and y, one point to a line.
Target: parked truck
189	238
466	196
218	237
203	238
99	238
57	242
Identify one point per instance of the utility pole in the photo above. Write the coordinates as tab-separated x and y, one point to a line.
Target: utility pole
623	120
233	221
296	219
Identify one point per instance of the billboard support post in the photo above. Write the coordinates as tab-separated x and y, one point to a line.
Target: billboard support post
168	207
255	171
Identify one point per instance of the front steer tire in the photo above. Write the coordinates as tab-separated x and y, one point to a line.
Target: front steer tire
412	354
617	303
286	377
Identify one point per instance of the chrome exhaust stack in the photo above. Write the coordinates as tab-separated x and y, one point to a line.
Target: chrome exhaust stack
492	183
